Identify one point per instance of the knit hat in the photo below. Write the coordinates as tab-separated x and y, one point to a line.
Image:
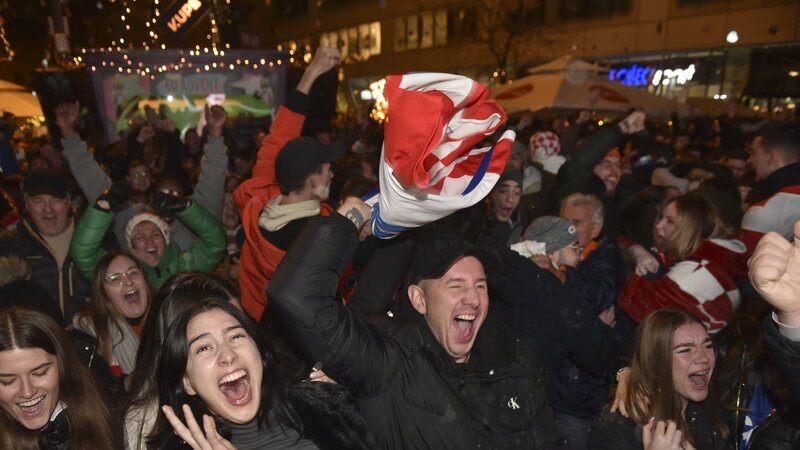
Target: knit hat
555	232
512	174
544	144
146	217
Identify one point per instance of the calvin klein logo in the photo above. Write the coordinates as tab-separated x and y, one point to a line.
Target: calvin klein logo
512	403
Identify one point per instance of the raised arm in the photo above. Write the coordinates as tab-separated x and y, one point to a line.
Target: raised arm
87	172
207	250
302	293
775	274
210	189
290	118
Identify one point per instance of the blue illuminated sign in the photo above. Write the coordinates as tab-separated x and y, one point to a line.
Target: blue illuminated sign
631	76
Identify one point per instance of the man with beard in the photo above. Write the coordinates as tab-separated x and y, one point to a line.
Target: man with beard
596	168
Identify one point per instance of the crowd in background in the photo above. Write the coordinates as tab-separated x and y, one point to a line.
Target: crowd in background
606	238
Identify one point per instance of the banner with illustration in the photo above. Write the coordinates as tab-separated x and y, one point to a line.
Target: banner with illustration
177	84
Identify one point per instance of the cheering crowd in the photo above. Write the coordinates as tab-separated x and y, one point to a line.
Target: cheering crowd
451	279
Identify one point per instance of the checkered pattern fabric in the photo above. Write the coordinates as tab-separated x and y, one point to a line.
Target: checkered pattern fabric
430	165
703	285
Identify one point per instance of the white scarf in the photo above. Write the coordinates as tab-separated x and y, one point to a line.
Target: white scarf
275	216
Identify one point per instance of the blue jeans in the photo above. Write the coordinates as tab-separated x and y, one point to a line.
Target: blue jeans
575	429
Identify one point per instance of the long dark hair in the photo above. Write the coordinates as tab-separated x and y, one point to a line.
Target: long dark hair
178	293
102	312
87	415
651	371
171	368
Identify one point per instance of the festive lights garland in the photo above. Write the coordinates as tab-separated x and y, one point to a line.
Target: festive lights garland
119	60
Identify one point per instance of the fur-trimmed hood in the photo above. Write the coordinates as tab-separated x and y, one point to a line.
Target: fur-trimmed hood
13	269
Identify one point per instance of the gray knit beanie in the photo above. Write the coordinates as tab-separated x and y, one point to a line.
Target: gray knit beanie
555	232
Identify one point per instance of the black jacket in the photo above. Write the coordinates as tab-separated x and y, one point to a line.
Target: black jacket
616	432
411	393
578	175
566	330
64	283
785	355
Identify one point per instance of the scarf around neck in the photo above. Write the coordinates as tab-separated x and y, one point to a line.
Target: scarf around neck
275	216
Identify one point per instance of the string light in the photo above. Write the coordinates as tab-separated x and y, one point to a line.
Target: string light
139	62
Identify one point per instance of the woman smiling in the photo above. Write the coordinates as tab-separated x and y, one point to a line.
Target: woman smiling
47	398
216	367
669	379
120	298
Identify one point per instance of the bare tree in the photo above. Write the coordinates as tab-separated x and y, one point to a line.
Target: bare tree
501	23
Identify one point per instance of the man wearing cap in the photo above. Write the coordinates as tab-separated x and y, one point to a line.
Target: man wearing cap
447	379
596	168
42	239
290	183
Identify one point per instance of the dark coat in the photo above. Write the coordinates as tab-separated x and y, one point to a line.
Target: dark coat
616	432
785	355
600	279
411	393
577	175
563	326
63	283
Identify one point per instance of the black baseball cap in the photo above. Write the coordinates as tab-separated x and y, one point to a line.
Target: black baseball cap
46	181
301	156
434	258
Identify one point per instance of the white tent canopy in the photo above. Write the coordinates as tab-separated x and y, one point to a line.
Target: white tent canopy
16	100
569	83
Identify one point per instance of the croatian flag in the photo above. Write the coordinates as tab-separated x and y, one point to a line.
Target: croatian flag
430	167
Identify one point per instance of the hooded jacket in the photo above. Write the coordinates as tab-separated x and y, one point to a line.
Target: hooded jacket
62	282
259	256
704	284
410	391
203	255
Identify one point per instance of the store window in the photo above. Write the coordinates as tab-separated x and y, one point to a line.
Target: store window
359	42
427	29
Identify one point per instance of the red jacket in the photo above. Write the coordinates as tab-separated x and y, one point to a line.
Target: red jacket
704	284
259	257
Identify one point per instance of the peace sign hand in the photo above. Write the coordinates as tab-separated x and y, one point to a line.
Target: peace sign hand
206	439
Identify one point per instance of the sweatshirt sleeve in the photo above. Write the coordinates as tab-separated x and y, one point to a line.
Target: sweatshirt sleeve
90	177
210	189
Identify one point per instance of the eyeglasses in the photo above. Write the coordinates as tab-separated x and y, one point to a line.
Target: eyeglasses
577	248
115	279
142	174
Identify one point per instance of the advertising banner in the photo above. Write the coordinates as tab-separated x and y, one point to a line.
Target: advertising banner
178	84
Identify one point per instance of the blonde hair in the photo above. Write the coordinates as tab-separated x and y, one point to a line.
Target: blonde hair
696	219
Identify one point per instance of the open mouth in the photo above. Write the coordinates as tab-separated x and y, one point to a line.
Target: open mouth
32	407
700	379
235	387
464	325
132	296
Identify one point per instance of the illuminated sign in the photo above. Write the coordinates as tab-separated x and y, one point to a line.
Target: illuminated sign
642	76
631	76
681	76
182	16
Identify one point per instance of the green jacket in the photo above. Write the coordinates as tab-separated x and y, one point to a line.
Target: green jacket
203	255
